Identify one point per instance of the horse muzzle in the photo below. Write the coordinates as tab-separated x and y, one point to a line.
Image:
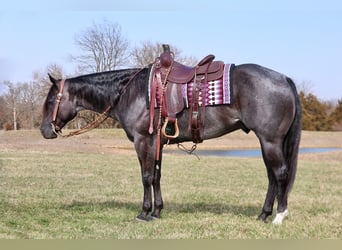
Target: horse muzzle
49	132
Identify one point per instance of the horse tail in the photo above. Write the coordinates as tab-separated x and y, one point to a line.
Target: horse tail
292	139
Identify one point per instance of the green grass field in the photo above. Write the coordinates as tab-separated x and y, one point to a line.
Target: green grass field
46	193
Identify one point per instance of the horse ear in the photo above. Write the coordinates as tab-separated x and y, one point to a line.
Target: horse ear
52	79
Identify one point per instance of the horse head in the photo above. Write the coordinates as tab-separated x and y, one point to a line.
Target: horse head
58	109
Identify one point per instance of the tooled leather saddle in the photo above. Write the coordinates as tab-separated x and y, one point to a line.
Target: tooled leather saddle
167	80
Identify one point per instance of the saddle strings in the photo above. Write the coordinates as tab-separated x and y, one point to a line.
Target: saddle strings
190	151
160	111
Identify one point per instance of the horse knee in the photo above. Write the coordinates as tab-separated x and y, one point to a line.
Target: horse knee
147	179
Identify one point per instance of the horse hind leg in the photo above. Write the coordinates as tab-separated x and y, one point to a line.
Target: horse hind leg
277	171
267	209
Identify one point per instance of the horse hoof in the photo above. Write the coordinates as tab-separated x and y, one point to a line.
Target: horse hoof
154	218
278	220
140	218
262	217
146	218
137	219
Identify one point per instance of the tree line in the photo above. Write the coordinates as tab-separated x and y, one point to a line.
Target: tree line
103	47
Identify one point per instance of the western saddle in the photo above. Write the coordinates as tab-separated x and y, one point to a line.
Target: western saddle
167	78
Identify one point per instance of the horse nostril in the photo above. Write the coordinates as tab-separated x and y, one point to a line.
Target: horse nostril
47	132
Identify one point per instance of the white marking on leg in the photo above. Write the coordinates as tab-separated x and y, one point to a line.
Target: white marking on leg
278	220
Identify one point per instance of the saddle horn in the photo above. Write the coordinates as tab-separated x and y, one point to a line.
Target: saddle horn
166	58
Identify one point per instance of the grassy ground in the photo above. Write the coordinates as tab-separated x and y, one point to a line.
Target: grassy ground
90	187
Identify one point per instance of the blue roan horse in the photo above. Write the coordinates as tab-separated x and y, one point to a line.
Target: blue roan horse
264	101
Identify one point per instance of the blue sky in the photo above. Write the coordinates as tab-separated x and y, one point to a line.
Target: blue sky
299	38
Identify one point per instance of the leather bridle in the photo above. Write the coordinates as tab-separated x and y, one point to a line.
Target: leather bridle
55	128
58	131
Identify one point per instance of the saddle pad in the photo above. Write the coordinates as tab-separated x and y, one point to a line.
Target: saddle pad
217	92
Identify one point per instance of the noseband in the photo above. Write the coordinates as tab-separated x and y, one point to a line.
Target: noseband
55	128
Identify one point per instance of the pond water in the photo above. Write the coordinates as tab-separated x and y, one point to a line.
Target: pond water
248	152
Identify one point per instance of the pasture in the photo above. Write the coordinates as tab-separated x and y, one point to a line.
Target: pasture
89	187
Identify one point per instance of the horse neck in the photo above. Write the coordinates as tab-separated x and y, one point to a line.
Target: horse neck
99	91
90	98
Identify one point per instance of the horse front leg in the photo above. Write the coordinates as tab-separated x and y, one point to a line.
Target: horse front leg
158	200
146	154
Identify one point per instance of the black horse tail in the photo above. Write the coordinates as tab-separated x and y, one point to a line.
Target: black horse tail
292	139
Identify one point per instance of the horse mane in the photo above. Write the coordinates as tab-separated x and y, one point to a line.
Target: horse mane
99	87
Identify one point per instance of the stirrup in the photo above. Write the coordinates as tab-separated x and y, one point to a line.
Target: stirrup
176	134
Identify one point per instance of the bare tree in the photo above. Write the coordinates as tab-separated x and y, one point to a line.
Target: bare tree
30	103
12	99
2	111
103	48
306	87
148	51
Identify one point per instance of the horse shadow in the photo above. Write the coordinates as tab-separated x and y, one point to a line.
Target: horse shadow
190	207
214	208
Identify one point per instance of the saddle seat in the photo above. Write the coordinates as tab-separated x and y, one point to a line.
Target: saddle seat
181	74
